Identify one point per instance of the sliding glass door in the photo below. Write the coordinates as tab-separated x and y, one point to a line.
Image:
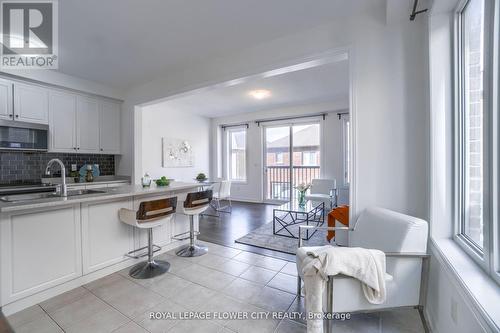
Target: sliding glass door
292	155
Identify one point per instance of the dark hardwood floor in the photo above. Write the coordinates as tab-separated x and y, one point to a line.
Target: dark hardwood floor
244	218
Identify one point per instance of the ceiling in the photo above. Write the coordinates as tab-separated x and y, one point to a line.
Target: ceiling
123	43
321	84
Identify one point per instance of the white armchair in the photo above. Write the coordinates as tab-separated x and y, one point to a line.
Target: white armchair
404	240
323	190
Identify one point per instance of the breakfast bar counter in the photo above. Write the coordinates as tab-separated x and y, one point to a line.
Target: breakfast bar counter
107	193
52	245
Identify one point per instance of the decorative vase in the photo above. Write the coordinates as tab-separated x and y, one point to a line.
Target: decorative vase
146	180
302	198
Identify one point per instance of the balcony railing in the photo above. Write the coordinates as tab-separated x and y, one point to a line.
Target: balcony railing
278	180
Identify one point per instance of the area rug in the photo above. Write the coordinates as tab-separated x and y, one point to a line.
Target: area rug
263	237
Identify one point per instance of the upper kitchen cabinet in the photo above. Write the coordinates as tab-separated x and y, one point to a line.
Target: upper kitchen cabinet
62	121
109	124
87	124
31	103
6	111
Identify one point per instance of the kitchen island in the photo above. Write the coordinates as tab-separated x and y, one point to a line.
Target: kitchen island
52	245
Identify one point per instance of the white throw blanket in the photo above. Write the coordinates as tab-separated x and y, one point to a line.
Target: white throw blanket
365	265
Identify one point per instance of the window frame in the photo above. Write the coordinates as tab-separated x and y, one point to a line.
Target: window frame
228	154
346	119
487	257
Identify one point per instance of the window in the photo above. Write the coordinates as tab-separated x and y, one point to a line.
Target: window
279	158
474	144
237	159
472	154
310	158
346	150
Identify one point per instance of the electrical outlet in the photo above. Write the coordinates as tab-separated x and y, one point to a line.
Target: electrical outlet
454	310
73	167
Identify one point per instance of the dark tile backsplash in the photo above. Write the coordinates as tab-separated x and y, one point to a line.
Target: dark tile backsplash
19	167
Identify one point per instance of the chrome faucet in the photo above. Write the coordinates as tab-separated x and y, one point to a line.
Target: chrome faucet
63	189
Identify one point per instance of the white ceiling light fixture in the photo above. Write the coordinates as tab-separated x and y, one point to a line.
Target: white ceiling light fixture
260	94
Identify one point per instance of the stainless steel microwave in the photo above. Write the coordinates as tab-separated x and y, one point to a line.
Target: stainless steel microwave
18	135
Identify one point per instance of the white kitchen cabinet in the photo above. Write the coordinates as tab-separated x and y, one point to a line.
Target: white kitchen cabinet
41	249
62	122
105	239
31	103
109	123
6	111
87	123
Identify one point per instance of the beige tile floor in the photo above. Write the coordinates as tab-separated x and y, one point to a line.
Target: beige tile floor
226	279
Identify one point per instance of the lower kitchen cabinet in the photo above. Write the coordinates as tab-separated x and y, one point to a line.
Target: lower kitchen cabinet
105	239
43	249
39	249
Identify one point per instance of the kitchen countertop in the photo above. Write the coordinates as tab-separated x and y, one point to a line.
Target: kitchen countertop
110	193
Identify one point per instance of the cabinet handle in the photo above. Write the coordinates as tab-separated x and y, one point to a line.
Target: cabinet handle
78	148
102	149
17	116
10	116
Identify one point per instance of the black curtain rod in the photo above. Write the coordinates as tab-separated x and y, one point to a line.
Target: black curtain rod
415	12
258	122
234	125
339	114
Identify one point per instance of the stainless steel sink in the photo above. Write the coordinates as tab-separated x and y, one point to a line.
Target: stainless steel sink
27	196
84	192
39	196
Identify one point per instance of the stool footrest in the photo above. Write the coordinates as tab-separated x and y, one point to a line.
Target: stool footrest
185	235
130	254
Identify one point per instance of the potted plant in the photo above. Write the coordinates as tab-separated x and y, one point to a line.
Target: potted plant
163	181
201	177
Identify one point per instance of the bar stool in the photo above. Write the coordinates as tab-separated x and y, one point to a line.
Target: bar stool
195	204
151	214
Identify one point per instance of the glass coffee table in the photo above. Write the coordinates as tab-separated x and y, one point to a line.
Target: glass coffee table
288	217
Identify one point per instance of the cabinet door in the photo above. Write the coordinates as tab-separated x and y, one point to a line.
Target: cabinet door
39	250
109	127
31	103
62	119
105	239
6	111
87	123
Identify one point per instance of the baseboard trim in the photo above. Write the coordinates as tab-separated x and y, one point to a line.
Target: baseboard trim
23	303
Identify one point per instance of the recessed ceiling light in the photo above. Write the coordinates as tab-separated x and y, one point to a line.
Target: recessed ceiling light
260	94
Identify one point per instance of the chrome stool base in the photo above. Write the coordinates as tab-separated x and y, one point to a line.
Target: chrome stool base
147	270
192	250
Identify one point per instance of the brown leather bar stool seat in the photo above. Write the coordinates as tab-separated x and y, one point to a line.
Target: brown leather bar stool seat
151	214
195	204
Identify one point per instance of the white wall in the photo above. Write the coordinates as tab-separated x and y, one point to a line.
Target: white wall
159	121
444	290
332	149
390	99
